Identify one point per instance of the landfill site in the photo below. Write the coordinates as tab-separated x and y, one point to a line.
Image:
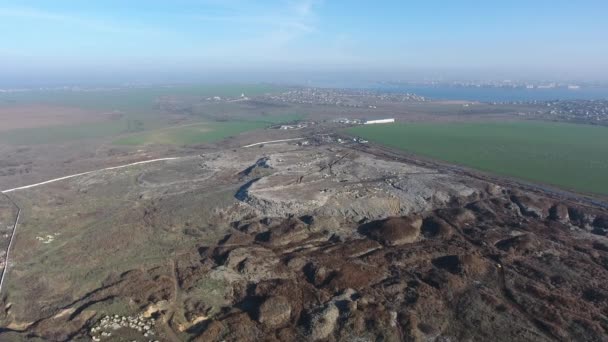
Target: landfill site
312	238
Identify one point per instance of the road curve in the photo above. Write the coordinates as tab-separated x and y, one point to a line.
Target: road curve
10	244
85	173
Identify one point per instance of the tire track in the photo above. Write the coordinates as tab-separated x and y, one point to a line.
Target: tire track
10	244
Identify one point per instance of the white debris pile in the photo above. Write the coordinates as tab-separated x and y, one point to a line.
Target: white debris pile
109	324
47	238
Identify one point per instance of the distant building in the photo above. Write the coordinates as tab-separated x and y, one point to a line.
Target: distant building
297	126
381	121
348	121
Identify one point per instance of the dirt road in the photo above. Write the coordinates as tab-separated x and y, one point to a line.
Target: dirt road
273	141
85	173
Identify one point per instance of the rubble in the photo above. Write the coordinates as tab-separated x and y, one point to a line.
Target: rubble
109	324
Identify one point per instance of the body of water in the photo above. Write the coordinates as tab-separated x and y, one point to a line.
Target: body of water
498	94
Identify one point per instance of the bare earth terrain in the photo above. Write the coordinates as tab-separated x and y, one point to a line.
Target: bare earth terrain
30	116
313	238
295	241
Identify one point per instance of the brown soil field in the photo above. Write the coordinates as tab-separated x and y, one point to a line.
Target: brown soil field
30	116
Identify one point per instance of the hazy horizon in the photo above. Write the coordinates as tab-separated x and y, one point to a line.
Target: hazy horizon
296	40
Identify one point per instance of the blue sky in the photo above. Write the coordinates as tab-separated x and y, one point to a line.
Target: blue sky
568	37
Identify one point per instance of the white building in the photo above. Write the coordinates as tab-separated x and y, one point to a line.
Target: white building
381	121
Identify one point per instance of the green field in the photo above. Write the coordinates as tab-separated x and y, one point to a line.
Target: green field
139	104
154	130
203	132
191	134
566	155
130	100
66	133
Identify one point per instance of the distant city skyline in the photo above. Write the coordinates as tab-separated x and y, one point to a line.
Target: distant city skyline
290	39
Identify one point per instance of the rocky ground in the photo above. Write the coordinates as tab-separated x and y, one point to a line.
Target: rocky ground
325	243
506	267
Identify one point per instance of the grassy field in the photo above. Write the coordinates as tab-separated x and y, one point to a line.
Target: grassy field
278	119
191	134
203	132
66	133
154	130
131	100
138	104
566	155
102	232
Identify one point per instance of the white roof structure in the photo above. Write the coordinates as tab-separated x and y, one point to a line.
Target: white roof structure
380	121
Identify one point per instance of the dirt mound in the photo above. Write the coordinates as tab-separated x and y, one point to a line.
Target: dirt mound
337	183
354	275
236	238
394	231
559	212
435	227
287	232
323	322
522	243
459	217
274	312
469	264
601	222
533	206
